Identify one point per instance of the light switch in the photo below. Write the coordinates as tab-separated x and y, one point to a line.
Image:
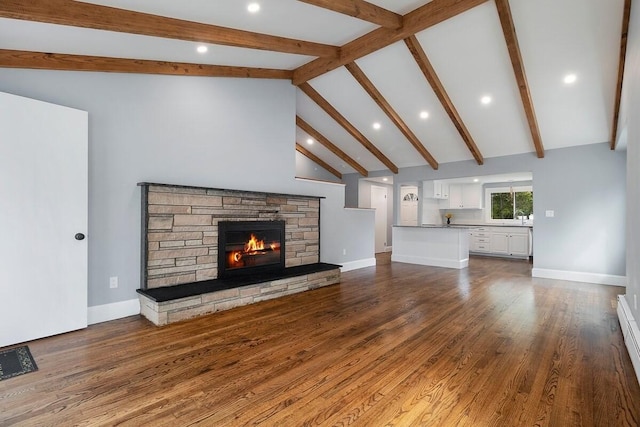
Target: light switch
549	214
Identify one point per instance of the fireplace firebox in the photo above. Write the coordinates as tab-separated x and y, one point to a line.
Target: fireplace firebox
250	247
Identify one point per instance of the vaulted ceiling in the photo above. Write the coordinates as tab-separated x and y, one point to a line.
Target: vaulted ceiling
442	80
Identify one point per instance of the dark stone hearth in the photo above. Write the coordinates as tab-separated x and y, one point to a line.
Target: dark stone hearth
168	293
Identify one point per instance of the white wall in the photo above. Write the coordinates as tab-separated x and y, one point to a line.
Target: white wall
221	133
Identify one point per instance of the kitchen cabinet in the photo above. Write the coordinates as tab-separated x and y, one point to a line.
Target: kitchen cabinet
501	241
479	240
463	196
435	190
436	245
519	244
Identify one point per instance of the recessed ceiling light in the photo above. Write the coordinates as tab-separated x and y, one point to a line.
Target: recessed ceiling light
570	78
486	100
385	179
377	126
475	180
202	49
253	7
309	141
424	114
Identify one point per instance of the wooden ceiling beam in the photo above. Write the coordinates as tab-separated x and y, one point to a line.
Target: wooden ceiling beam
509	30
64	62
626	16
330	146
427	69
351	129
300	149
420	19
375	94
87	15
362	10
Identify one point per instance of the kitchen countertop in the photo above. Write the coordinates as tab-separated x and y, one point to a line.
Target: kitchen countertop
437	226
477	225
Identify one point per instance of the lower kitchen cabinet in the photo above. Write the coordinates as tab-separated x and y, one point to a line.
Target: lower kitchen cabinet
501	241
519	244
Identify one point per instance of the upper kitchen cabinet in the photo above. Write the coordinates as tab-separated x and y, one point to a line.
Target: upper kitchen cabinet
463	196
435	190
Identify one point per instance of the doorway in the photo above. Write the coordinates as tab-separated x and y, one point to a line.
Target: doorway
379	203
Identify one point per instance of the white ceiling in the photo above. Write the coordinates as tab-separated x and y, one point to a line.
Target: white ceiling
468	52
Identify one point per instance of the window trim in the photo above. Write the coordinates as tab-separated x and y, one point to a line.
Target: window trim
487	203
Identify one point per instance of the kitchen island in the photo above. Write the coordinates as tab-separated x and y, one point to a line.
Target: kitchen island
434	245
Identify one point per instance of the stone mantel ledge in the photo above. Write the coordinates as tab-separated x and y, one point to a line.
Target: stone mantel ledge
226	190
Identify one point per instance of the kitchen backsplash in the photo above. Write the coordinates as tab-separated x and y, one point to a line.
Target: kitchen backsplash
432	214
464	216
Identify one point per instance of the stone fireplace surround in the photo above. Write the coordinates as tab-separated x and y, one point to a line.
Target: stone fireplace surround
179	250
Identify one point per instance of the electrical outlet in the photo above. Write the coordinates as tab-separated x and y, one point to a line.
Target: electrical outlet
113	282
549	214
344	252
635	301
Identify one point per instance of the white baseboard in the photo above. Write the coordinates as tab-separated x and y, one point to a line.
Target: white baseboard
578	276
113	311
630	332
354	265
434	262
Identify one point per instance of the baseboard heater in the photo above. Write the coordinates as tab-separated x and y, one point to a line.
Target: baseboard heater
630	332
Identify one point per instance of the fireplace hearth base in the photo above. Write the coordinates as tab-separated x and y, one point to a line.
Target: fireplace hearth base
171	304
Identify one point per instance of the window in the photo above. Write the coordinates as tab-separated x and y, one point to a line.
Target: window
509	204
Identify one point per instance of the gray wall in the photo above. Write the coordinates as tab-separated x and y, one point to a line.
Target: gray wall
182	130
585	186
351	192
307	168
630	125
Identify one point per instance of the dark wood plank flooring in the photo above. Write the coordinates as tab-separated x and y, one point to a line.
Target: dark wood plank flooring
395	344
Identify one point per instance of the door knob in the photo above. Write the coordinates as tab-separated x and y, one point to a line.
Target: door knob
79	236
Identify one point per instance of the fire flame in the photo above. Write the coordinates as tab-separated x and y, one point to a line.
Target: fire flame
254	245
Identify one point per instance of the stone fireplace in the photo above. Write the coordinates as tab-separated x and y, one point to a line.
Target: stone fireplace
206	250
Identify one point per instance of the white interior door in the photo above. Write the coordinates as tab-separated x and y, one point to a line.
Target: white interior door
408	205
379	203
43	204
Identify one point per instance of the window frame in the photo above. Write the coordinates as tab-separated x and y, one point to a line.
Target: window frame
487	202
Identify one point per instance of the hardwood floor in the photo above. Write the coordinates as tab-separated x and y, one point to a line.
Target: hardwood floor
395	344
